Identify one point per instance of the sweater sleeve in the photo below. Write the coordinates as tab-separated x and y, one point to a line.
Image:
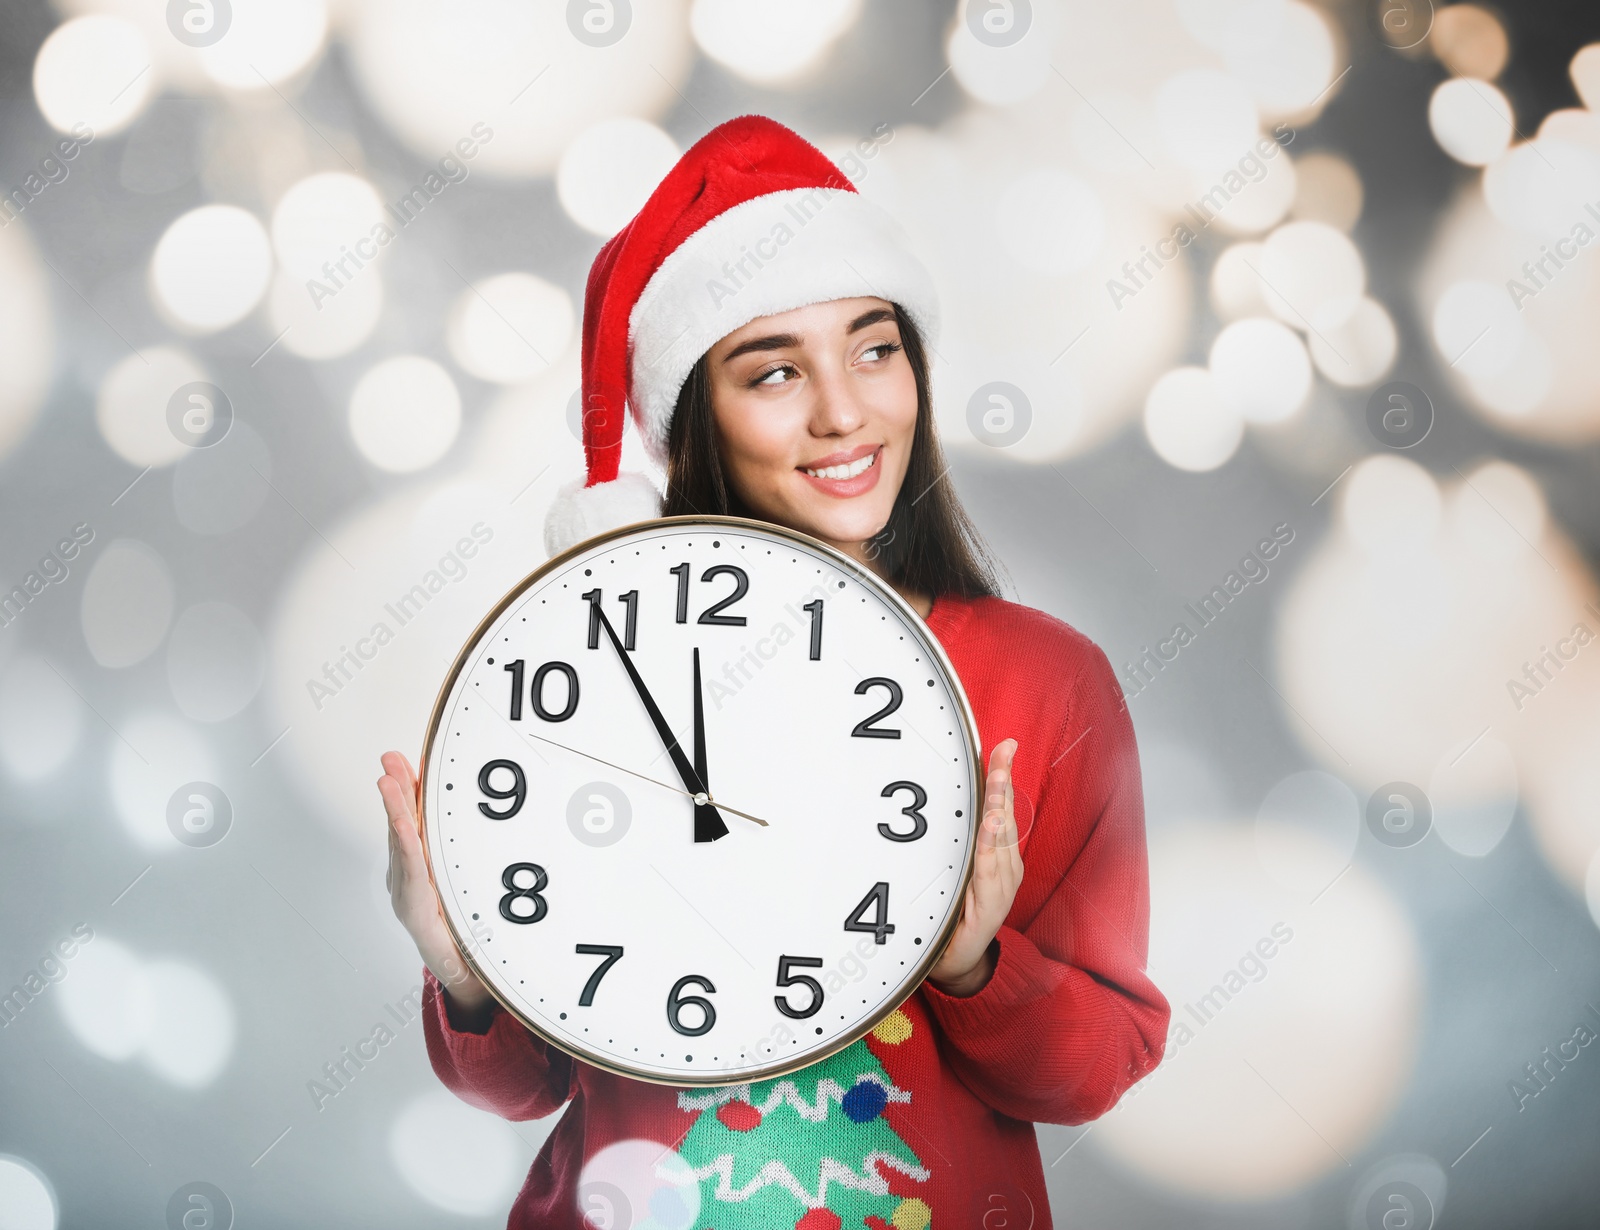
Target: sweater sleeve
507	1069
1069	1019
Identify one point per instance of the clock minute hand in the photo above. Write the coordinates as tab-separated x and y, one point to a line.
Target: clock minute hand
705	818
709	824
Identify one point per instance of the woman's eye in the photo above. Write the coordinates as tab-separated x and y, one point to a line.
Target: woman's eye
767	377
882	351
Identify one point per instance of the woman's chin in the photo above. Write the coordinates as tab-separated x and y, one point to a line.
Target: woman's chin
842	522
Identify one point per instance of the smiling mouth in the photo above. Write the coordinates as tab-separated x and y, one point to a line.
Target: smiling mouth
848	470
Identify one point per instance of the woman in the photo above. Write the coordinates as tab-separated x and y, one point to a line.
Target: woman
767	327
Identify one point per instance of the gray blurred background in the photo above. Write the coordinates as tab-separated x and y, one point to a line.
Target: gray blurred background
1270	321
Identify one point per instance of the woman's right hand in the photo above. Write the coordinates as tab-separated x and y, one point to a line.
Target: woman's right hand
416	903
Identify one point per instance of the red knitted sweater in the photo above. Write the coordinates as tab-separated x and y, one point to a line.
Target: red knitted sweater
927	1121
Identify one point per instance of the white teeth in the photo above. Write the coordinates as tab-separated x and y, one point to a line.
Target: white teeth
858	466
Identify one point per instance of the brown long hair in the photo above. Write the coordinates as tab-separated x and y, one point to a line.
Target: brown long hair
929	542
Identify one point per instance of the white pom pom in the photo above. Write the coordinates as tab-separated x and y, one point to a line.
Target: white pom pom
581	512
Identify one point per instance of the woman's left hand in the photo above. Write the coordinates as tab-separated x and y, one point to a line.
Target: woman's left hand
966	965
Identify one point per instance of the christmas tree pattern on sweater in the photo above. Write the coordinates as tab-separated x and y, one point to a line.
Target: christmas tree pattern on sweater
808	1151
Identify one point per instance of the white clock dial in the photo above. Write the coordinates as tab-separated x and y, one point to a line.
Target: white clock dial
689	897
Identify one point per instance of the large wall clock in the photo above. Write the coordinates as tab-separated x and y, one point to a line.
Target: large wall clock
677	776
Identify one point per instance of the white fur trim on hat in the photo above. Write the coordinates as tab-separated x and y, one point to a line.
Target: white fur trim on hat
581	512
772	253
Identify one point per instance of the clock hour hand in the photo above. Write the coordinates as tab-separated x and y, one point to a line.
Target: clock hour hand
709	824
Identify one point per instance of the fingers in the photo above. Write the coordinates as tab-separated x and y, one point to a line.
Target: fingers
399	768
393	792
997	789
405	842
413	786
1005	837
411	890
998	869
402	817
998	795
397	764
1002	755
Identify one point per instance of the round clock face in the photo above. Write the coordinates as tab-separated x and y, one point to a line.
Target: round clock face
699	799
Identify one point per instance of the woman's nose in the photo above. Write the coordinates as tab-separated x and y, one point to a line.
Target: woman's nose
837	409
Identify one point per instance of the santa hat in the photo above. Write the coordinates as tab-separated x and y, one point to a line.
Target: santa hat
753	220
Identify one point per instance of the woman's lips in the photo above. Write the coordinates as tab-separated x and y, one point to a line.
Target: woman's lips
845	488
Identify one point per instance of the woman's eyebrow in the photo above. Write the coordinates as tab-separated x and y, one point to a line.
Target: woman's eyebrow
783	341
774	341
871	317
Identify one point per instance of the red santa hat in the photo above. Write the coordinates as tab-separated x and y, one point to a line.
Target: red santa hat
753	220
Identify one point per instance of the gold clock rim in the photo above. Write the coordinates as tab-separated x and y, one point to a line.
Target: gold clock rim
969	727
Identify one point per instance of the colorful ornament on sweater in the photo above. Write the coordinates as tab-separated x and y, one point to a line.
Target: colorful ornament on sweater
812	1150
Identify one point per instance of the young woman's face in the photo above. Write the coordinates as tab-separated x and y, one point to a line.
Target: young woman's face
815	412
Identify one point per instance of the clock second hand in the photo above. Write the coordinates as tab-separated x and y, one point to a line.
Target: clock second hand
632	773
